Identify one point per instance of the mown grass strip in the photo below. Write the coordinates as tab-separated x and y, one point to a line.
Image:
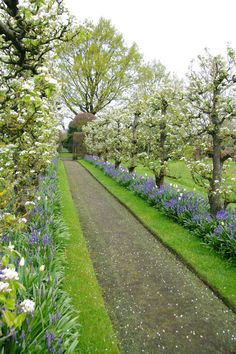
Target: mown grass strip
96	332
218	273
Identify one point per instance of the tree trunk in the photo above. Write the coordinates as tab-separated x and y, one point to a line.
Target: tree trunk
214	198
117	164
159	178
131	169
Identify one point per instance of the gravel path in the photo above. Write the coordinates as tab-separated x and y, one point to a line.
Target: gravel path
155	303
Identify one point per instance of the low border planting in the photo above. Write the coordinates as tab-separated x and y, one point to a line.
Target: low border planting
49	323
188	208
217	272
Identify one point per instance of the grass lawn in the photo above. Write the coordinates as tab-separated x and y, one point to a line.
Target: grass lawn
182	176
65	154
218	273
96	332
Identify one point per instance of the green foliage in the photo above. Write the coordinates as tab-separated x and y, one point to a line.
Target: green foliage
96	67
51	321
37	316
75	126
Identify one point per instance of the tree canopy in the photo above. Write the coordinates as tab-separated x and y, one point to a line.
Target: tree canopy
96	67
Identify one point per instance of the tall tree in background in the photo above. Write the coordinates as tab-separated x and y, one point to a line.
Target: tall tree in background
96	68
212	110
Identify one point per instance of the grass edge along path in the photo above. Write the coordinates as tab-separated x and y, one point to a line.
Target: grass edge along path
214	271
96	332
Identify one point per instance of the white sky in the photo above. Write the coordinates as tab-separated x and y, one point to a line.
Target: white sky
172	31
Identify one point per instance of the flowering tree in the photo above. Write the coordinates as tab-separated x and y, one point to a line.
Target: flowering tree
115	138
28	121
95	137
211	104
132	132
163	129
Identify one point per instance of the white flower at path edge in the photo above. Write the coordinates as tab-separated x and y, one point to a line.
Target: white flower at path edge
22	262
28	306
4	287
9	274
24	220
42	268
11	247
29	203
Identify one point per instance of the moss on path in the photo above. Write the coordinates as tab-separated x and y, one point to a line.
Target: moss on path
156	304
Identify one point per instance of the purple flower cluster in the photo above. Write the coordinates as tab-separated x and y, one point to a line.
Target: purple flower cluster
188	208
53	343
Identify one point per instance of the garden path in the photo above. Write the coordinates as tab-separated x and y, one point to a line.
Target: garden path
155	303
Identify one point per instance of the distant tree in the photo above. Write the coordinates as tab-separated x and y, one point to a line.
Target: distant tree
96	136
75	126
96	68
212	110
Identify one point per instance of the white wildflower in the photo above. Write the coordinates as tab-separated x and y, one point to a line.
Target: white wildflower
42	268
4	287
11	247
24	220
22	262
28	306
29	203
9	274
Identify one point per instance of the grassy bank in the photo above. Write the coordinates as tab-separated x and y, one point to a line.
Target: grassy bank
218	273
96	332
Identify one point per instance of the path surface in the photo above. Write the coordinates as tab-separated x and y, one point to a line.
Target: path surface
155	303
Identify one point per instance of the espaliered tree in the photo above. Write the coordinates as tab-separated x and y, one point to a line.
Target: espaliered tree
132	133
163	127
211	104
28	121
96	68
96	134
115	137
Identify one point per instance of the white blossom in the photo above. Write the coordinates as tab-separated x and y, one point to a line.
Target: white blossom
4	287
9	274
42	268
11	247
22	262
28	306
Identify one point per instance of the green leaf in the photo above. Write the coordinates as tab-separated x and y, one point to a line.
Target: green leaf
9	318
48	92
5	261
10	304
2	299
19	320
